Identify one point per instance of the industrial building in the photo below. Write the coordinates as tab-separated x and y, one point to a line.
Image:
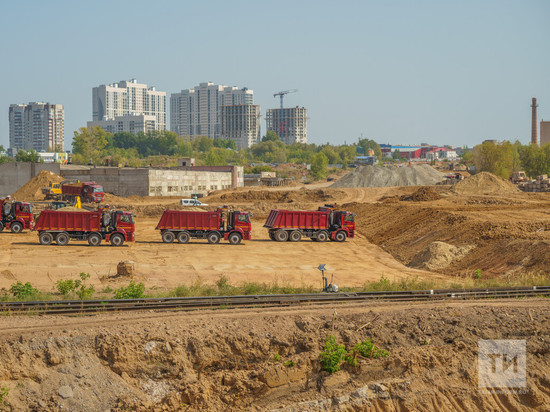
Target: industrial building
197	111
128	98
131	123
544	132
241	123
37	126
180	181
290	124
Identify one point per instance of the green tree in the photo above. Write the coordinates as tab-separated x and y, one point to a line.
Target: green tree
500	159
347	154
89	143
319	166
271	137
203	144
396	155
184	148
331	154
535	160
367	144
28	156
215	157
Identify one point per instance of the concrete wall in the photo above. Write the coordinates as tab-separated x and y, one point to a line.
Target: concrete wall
13	175
184	183
118	181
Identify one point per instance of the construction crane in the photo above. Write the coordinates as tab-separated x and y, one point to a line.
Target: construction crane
281	120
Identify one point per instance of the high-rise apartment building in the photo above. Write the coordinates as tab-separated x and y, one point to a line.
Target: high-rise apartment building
197	111
131	123
37	126
241	123
290	124
127	98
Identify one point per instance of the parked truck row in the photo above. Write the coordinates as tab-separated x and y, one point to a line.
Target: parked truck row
234	226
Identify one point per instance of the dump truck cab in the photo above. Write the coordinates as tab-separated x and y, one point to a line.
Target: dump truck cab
16	216
93	193
240	221
117	221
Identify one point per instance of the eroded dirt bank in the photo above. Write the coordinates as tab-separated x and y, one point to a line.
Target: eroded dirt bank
227	360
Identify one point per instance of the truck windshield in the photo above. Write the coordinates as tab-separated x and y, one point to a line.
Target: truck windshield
98	190
349	218
126	218
244	218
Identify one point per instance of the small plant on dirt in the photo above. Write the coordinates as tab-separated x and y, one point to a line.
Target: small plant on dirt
276	358
332	355
132	291
4	392
477	274
22	291
289	363
367	349
68	286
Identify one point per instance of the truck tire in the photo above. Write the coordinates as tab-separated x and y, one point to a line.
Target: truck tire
322	236
235	238
1	226
94	239
168	237
213	237
117	239
295	236
16	227
281	235
271	235
45	238
340	236
62	239
184	237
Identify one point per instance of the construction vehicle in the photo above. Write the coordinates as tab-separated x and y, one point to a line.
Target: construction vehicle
69	190
61	225
232	225
519	177
320	225
15	216
53	191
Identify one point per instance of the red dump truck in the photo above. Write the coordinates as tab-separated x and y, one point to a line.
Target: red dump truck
15	216
114	226
233	225
89	192
320	225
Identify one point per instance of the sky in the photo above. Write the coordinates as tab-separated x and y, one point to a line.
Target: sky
396	71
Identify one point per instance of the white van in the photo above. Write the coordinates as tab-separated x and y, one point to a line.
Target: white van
192	202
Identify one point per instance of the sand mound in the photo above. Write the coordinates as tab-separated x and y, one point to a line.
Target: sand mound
484	183
32	190
379	176
423	194
280	196
439	255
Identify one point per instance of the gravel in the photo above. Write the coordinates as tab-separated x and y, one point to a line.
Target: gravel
379	176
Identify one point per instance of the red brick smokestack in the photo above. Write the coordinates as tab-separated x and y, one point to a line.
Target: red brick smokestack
534	139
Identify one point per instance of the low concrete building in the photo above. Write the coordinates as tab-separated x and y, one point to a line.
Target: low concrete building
180	181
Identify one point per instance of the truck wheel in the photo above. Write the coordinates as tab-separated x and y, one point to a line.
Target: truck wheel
62	239
213	237
281	235
117	239
168	237
45	238
235	238
271	235
295	236
94	239
340	236
1	226
16	227
184	237
322	236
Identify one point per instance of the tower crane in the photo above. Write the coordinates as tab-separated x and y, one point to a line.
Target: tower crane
281	115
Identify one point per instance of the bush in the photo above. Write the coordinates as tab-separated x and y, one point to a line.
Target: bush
132	291
367	349
4	392
67	286
333	355
23	291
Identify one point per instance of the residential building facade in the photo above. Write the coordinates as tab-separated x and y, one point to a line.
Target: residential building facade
37	126
130	123
241	123
129	98
197	111
290	124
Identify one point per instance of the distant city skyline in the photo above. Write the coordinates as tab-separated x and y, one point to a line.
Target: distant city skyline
397	72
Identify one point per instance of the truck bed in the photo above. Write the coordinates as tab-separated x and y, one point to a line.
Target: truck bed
68	221
189	220
297	219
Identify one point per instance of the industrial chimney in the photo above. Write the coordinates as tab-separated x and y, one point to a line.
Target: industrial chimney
534	139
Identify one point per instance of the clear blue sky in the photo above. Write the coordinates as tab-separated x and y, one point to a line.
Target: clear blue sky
445	72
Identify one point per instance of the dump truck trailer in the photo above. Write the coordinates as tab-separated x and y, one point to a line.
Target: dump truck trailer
89	192
62	225
15	216
320	225
183	225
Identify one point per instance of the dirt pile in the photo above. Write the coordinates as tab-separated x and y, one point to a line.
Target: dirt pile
379	176
424	194
270	360
439	255
484	183
279	196
32	190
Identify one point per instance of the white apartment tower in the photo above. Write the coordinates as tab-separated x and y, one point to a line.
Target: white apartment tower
241	123
290	124
197	111
37	126
126	98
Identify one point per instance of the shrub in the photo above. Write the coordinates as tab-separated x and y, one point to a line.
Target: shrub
83	291
289	363
367	349
66	286
23	291
333	355
477	274
132	291
276	358
4	392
